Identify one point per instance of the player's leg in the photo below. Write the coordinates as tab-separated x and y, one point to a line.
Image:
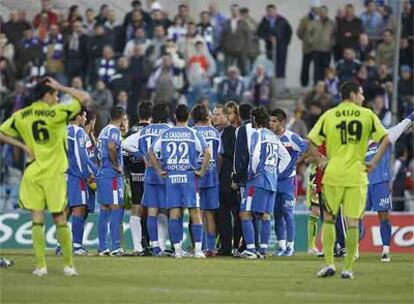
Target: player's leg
385	230
313	228
103	197
175	230
280	225
211	204
288	214
78	225
150	200
197	231
162	227
39	243
354	207
115	228
137	189
265	222
246	218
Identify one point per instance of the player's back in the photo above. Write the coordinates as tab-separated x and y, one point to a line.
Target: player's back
346	130
264	159
76	141
108	134
42	127
381	173
147	137
213	141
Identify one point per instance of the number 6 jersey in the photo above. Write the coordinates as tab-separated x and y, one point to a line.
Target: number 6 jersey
42	127
346	130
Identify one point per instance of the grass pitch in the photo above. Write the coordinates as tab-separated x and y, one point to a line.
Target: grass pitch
214	280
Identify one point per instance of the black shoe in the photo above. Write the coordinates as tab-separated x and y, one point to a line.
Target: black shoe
223	252
340	253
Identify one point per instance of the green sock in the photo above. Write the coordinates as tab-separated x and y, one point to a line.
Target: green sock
65	239
351	244
328	238
38	237
312	228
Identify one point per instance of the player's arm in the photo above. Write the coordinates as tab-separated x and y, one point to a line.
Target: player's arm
79	95
131	143
316	137
113	143
202	147
256	147
156	148
396	131
87	164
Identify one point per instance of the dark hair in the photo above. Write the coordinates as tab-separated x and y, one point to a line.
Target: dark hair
160	113
144	110
80	113
270	6
244	110
244	10
90	116
260	117
182	5
41	89
136	3
182	113
199	113
231	105
279	114
388	31
117	113
199	43
348	88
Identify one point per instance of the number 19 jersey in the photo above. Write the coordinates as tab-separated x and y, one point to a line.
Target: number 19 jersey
346	129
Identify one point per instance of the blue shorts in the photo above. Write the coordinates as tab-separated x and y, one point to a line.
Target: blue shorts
379	197
284	202
258	200
154	196
110	190
209	198
77	189
181	191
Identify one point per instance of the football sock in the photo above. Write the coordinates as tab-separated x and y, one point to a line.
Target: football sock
136	232
78	225
181	227
290	225
39	245
175	231
103	219
280	226
256	225
265	233
352	236
197	231
248	234
211	241
65	239
312	229
328	240
162	225
290	245
282	244
115	227
153	233
385	230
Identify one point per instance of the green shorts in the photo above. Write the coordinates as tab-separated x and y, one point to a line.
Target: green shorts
43	193
353	200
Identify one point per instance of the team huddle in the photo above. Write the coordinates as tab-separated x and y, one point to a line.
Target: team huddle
170	168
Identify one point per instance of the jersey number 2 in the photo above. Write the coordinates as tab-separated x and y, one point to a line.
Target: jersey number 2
40	132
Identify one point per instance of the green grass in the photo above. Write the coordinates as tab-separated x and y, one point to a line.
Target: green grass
215	280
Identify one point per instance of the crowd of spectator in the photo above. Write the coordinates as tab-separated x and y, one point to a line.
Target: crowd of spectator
209	57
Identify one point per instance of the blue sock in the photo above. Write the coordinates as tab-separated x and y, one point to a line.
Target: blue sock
290	225
205	240
280	226
264	235
181	227
115	227
248	234
175	230
197	231
256	225
77	230
211	241
385	229
153	233
103	220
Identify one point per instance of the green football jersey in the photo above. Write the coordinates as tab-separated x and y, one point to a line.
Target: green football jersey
42	127
346	130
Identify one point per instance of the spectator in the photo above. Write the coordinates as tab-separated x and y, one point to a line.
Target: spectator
206	30
234	40
201	66
385	50
122	102
399	173
187	45
407	19
253	42
381	111
297	124
74	14
332	84
14	28
6	48
166	81
160	18
372	69
348	30
260	88
76	51
29	50
139	39
103	15
275	29
15	100
53	50
178	30
177	58
7	77
51	17
384	74
217	19
136	5
140	69
90	21
364	48
263	61
405	84
95	50
406	53
137	21
111	22
306	33
389	22
312	116
323	38
155	48
102	103
121	80
348	67
232	87
184	13
372	22
106	65
318	94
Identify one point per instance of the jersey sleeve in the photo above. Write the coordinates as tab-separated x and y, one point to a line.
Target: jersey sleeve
284	157
395	132
318	133
70	110
9	127
299	144
83	154
156	145
131	144
200	142
377	129
256	146
115	136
